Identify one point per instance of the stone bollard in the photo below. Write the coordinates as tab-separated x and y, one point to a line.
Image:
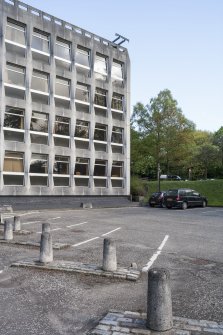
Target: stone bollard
17	223
159	303
46	248
46	227
109	255
8	230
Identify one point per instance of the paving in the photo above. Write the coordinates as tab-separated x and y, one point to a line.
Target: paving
71	303
88	269
122	323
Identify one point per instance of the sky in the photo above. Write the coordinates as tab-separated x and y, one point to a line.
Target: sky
174	44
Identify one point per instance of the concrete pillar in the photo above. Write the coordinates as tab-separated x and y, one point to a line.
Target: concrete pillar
8	230
159	303
46	227
17	223
46	248
109	255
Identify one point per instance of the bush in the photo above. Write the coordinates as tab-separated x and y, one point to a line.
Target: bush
138	187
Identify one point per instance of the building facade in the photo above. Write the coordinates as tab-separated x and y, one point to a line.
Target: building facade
64	107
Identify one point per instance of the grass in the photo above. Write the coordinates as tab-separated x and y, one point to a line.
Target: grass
212	189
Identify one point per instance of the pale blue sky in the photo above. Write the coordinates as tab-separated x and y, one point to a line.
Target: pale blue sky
174	44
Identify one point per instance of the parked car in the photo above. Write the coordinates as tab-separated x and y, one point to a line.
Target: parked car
157	199
183	198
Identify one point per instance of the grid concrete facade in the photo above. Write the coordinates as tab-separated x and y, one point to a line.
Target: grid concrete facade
64	108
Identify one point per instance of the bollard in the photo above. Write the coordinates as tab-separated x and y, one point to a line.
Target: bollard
46	227
159	303
46	248
8	230
17	223
109	255
1	218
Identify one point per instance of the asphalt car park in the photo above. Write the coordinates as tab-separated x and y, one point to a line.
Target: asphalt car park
43	302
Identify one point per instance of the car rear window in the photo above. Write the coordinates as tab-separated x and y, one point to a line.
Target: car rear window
172	192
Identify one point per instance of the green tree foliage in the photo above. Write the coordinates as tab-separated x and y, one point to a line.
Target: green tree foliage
207	157
166	131
218	140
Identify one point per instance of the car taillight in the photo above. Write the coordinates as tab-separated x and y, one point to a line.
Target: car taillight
178	198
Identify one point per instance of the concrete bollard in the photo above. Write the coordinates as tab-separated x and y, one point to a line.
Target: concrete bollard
1	218
46	227
8	230
159	303
109	255
46	248
17	223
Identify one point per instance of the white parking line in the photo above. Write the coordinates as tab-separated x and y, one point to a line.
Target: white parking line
154	257
92	239
217	210
77	224
111	231
73	225
30	222
95	238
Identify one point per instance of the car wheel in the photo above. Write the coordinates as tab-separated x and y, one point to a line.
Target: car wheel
162	205
151	205
168	206
204	204
184	205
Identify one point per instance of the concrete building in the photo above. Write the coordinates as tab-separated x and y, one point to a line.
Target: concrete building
64	108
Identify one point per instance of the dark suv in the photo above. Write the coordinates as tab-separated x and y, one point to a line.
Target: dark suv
157	199
183	198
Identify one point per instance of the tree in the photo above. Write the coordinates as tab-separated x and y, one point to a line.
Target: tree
207	156
218	140
166	128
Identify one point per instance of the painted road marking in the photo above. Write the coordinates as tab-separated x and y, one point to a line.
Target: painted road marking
111	231
217	210
92	239
30	222
73	225
154	257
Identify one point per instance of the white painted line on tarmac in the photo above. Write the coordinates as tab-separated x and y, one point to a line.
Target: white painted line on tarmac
92	239
112	231
73	225
30	222
77	224
216	210
154	257
1	271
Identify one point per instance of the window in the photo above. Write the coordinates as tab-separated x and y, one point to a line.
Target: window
100	132
82	167
40	41
100	64
62	87
39	122
117	135
82	129
117	70
13	162
15	32
62	49
62	126
83	56
100	168
82	92
117	169
15	74
100	97
14	118
61	165
40	81
117	101
39	163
